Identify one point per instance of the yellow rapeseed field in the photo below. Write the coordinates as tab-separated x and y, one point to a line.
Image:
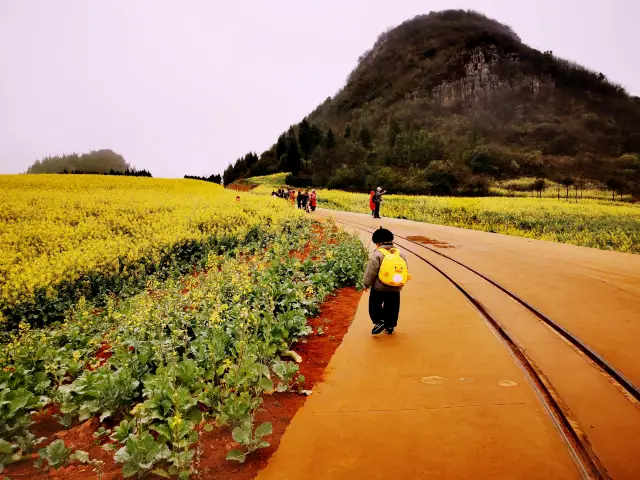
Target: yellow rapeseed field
56	230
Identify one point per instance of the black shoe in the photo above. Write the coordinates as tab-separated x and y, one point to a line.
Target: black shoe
389	331
378	328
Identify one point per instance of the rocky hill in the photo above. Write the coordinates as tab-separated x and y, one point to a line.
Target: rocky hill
450	101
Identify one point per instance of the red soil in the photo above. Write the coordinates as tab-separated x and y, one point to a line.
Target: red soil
336	317
241	188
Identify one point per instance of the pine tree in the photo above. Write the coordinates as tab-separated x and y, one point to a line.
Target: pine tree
364	136
281	146
293	163
304	138
394	131
331	139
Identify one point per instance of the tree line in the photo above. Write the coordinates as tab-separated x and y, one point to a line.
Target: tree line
416	161
126	173
96	161
211	178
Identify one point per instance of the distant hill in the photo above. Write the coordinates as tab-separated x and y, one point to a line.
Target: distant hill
450	101
97	161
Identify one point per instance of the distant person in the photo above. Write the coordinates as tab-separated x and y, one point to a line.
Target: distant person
313	200
385	275
237	199
372	206
305	200
292	197
299	198
377	200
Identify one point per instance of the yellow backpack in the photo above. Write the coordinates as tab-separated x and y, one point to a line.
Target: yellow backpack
393	269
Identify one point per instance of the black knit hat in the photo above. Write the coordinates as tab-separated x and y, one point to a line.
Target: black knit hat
382	235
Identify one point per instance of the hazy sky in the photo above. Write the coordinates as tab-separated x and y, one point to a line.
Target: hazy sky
185	87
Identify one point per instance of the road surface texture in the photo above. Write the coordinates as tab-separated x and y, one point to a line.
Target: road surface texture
472	384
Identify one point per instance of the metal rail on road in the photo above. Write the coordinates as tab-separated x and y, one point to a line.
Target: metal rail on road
581	453
624	382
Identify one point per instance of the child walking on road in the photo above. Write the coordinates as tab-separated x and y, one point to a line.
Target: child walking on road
385	275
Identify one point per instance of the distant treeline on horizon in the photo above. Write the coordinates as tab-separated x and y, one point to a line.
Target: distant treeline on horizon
126	173
211	178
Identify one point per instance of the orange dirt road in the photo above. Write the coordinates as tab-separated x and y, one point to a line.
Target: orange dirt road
595	294
441	398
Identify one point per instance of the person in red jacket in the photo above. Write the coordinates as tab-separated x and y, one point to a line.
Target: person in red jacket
372	206
313	200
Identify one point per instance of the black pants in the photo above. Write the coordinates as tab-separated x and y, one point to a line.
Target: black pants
384	307
376	213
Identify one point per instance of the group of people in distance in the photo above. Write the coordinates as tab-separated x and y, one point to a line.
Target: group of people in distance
306	200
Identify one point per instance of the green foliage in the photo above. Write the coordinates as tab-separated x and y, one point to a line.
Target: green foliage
251	441
16	406
97	161
293	162
102	393
287	374
189	348
364	136
56	455
304	138
331	140
140	454
122	431
211	178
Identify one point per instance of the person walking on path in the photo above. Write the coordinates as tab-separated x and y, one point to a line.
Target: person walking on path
385	275
377	200
299	199
372	206
313	200
292	197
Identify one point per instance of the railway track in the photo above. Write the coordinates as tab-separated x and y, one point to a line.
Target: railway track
584	453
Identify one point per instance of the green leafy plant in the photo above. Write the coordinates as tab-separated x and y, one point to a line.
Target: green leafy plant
103	391
125	428
16	407
287	373
100	434
57	455
140	454
237	410
251	441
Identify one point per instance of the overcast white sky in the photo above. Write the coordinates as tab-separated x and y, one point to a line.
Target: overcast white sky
185	87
